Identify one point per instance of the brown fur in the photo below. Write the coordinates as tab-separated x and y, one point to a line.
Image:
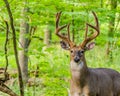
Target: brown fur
94	82
91	81
87	81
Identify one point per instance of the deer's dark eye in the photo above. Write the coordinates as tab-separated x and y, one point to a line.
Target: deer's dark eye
81	52
71	51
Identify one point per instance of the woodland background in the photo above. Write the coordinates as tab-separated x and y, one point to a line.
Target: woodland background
44	64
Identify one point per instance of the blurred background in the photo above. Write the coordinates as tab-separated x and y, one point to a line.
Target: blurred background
44	64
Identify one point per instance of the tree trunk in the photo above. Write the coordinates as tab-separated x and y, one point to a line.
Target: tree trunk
21	85
101	3
73	29
113	6
47	35
23	39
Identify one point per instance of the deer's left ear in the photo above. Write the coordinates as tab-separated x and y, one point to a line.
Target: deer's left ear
90	46
64	45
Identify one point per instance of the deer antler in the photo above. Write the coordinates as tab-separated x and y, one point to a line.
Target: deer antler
94	35
58	28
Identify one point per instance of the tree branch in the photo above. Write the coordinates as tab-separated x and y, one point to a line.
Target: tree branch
5	48
32	31
15	48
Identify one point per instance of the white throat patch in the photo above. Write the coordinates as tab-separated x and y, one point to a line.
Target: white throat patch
76	66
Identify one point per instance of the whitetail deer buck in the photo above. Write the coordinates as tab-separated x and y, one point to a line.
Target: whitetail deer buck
87	81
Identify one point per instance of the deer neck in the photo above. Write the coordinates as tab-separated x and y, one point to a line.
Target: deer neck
79	71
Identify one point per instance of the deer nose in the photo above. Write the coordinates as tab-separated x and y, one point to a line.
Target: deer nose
76	59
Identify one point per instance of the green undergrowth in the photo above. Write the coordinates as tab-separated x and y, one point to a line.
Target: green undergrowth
53	67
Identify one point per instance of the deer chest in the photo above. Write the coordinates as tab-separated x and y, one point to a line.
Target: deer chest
77	91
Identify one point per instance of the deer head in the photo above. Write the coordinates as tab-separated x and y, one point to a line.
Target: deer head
77	51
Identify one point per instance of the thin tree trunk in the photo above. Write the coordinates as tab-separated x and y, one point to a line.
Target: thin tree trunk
47	35
73	31
23	39
111	29
101	3
15	47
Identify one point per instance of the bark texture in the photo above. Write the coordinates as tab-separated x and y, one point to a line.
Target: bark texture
47	35
24	39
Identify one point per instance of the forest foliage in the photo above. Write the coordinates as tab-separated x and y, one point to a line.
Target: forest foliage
51	61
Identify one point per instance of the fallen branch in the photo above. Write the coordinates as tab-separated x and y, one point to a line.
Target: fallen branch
6	89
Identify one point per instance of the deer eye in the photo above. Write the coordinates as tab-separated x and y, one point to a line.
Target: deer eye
71	51
82	51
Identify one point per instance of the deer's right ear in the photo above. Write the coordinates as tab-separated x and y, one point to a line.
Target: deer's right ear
65	45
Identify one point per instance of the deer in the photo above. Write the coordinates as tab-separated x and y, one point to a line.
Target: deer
87	81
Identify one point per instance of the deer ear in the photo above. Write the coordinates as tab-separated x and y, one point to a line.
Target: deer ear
90	46
64	45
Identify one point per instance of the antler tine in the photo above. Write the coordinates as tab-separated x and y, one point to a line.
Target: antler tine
57	18
95	34
57	22
58	28
96	19
68	29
